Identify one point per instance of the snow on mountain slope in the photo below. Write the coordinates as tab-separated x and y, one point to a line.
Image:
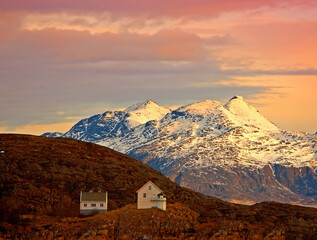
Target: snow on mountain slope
141	113
247	113
201	108
229	151
116	124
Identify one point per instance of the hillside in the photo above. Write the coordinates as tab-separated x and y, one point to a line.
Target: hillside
56	170
42	177
229	151
180	222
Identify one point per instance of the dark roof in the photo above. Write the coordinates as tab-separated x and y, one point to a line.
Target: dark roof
94	196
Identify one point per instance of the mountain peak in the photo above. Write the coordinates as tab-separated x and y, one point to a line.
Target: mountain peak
238	106
141	105
143	112
201	108
247	113
237	97
150	101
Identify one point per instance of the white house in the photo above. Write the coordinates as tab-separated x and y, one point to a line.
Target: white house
93	202
150	196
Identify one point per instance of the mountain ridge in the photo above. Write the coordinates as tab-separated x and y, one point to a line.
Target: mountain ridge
230	151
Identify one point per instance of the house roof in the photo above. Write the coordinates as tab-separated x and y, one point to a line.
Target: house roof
148	184
94	196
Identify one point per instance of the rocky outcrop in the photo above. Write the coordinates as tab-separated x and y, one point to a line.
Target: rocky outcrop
302	180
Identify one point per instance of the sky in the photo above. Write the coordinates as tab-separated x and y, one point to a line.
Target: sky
63	60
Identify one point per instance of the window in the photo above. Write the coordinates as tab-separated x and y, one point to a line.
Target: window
85	204
150	187
101	204
144	195
93	204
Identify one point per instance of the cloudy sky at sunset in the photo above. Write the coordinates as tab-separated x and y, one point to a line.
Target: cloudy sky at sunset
63	60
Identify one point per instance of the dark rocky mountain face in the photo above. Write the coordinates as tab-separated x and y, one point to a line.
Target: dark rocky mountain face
52	134
106	125
41	179
230	151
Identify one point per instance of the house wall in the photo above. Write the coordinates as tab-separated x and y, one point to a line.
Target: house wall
145	202
89	209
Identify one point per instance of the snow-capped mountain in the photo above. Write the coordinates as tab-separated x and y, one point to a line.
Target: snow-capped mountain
229	151
116	124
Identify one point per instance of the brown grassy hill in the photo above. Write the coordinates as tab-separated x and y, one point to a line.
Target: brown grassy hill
125	223
43	177
177	222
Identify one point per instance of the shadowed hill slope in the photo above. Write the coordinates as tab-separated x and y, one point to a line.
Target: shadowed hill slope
46	175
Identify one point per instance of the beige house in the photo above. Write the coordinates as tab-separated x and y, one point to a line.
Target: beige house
93	202
150	196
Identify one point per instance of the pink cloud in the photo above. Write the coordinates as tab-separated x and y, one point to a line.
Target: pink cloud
278	44
9	24
75	45
148	8
71	45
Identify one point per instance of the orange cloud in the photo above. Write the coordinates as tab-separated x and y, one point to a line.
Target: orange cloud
71	45
296	109
9	25
274	46
150	8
